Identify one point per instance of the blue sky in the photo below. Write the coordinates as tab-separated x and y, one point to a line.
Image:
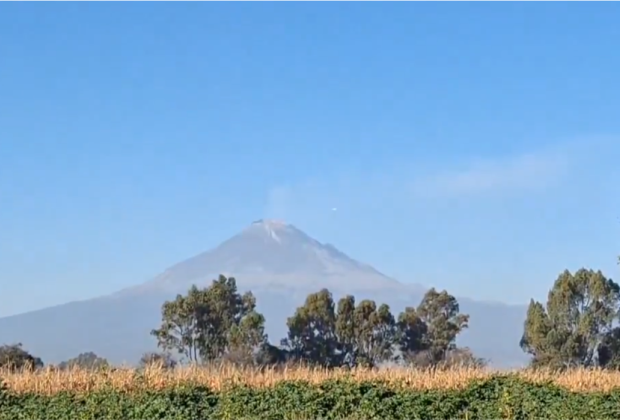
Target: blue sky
467	146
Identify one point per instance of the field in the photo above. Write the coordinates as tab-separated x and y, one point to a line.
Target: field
299	393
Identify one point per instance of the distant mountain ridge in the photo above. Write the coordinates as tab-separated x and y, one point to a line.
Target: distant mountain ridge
280	264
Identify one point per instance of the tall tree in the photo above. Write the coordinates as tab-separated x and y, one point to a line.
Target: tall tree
179	330
426	335
364	332
247	336
376	333
345	330
440	312
352	335
576	328
312	331
412	335
207	323
537	339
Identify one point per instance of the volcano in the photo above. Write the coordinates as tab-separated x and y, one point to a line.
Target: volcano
281	265
271	253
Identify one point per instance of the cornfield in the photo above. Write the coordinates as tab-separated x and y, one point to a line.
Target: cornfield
50	381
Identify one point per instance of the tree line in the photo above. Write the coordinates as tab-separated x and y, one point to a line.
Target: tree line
578	326
217	323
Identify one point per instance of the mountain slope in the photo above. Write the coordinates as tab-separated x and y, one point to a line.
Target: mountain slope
271	253
280	264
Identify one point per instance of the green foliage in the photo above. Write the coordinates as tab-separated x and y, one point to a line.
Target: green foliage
576	327
441	313
503	397
412	334
366	334
312	331
208	323
426	335
217	323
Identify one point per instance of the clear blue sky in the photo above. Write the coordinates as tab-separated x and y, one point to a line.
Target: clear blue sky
467	146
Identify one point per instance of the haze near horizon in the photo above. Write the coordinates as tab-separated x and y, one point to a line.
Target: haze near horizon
281	266
470	147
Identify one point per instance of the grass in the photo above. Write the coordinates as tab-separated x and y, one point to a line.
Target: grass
48	381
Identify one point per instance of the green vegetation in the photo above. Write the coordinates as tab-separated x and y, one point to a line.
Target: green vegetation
494	398
576	328
217	323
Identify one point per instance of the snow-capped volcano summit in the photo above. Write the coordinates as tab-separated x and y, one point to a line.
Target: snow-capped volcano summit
272	252
276	230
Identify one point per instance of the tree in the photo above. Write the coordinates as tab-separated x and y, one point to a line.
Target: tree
179	330
537	337
412	335
440	312
609	350
230	320
14	357
248	335
427	334
383	335
365	333
345	330
320	334
207	323
88	360
311	331
576	326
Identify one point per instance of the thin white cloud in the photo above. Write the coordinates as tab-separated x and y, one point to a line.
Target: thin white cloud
414	183
486	176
